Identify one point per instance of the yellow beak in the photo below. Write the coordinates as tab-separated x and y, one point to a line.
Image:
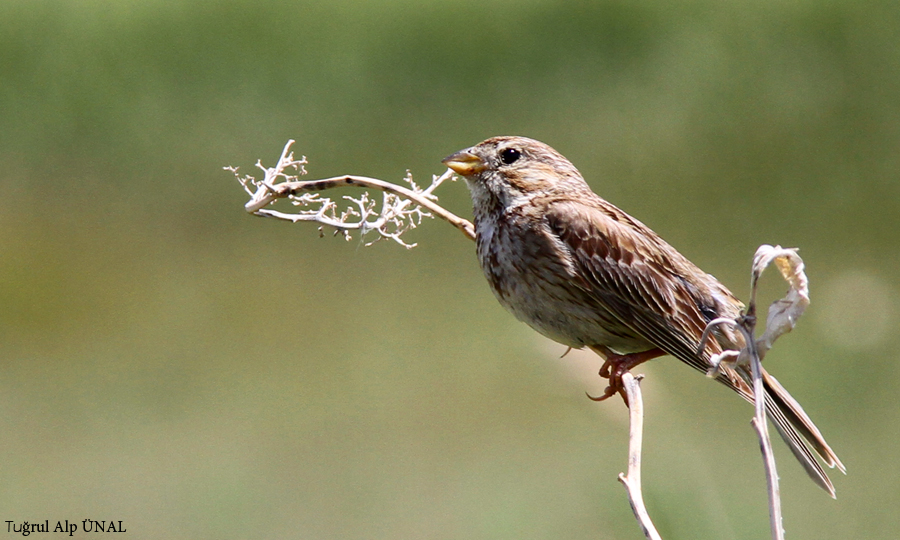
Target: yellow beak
465	163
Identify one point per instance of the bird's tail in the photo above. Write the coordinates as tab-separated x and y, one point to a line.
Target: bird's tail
795	427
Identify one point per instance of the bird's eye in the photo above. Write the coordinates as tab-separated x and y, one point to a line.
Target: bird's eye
509	155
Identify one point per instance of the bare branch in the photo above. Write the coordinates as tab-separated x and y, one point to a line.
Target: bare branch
632	481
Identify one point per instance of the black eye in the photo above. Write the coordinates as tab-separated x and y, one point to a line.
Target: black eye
509	155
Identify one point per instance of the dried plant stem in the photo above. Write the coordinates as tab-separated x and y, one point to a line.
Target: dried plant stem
632	480
781	318
748	324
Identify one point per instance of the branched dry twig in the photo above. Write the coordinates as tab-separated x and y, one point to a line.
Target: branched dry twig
401	208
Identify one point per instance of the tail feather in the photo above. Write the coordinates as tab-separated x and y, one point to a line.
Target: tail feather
799	419
794	441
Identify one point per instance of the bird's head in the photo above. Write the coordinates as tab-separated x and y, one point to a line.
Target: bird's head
505	171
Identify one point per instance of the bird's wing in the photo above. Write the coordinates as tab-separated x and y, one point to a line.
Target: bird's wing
640	279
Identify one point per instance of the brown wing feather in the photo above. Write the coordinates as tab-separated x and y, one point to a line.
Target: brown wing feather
638	276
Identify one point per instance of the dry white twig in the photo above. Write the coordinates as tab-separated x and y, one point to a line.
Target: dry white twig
632	480
746	325
759	423
780	319
401	208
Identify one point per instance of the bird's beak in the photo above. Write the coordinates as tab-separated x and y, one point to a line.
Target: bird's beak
465	163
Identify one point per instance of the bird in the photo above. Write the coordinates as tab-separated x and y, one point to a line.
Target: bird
584	273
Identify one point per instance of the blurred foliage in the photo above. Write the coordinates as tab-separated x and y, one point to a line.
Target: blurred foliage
173	363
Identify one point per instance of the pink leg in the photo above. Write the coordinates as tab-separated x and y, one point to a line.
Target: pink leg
617	365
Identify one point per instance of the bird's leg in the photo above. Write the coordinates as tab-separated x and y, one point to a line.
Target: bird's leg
616	365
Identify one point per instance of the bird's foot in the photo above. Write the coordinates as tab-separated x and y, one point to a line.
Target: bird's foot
617	365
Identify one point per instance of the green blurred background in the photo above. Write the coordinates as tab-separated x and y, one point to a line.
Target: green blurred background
172	362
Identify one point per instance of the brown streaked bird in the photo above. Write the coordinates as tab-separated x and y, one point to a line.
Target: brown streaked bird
586	274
